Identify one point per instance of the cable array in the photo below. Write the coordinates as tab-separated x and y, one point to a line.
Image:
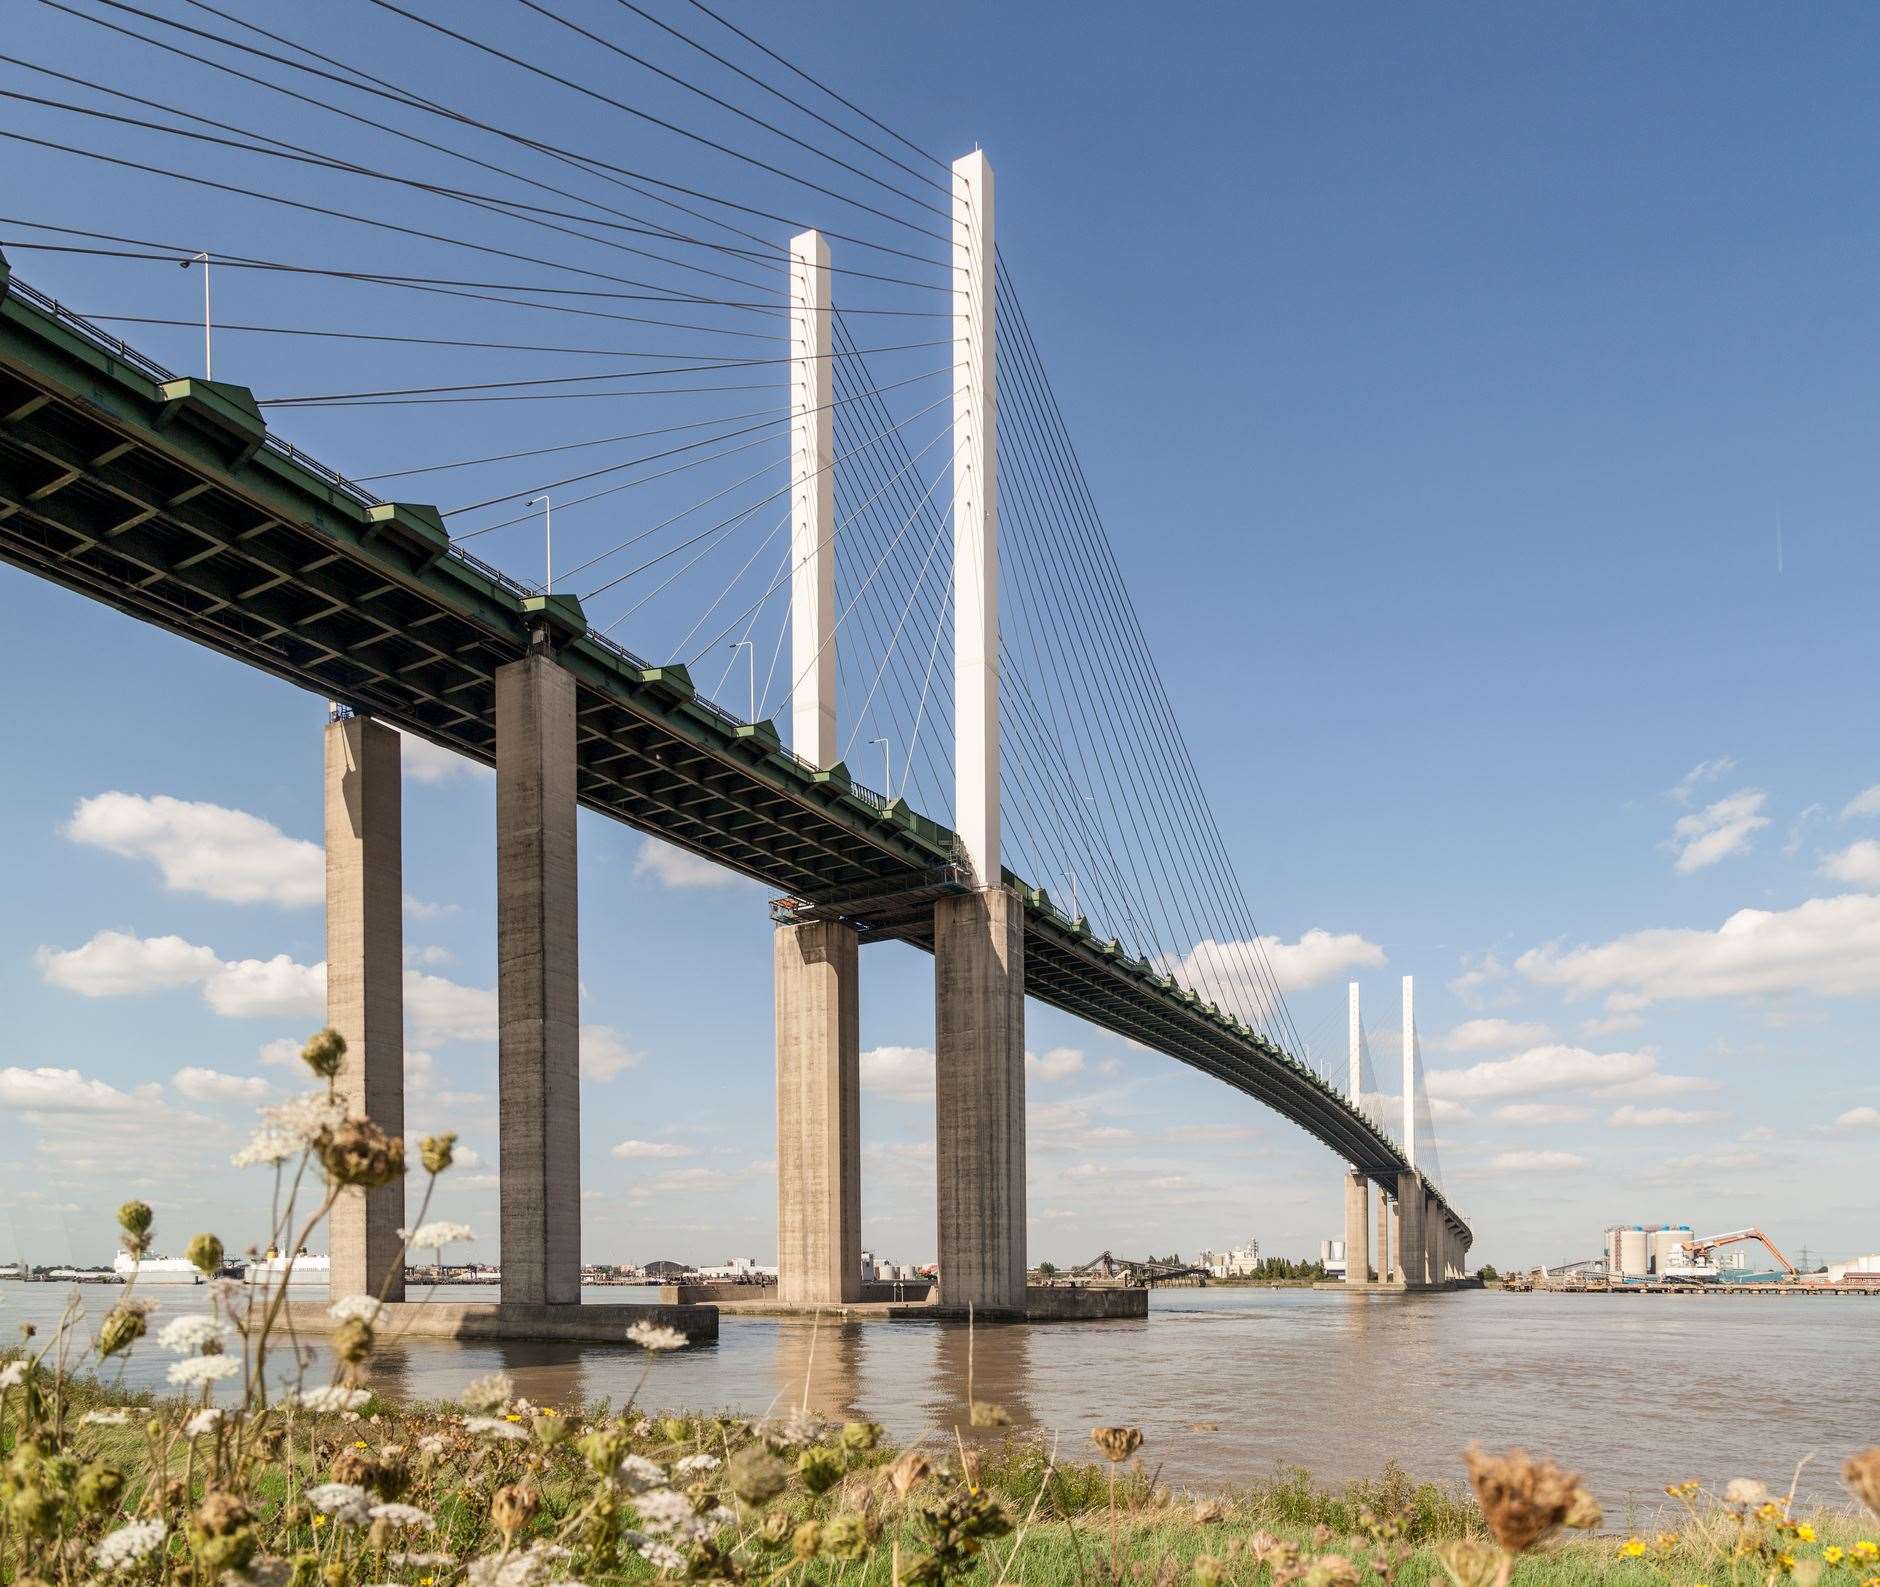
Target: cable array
421	255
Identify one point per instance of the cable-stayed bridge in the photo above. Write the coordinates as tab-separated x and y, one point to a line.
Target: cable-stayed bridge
844	524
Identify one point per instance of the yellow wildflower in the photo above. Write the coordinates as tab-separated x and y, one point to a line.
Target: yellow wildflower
1684	1490
1771	1511
359	1443
511	1416
1786	1560
1805	1532
1834	1554
1632	1548
1866	1549
318	1522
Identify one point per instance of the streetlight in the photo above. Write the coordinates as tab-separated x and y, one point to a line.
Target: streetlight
745	644
208	360
887	765
548	539
1076	914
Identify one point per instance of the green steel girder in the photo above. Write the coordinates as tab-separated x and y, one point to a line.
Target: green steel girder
167	499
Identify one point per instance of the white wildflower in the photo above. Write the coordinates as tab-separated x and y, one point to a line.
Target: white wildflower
130	1543
489	1391
344	1501
432	1444
203	1422
495	1427
403	1515
328	1398
527	1567
436	1232
795	1431
420	1561
197	1371
112	1418
193	1335
289	1128
362	1307
651	1336
661	1556
668	1514
688	1464
637	1474
12	1375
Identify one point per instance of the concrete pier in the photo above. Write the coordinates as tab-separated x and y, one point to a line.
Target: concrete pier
979	1096
1432	1240
537	983
819	1134
1383	1237
1357	1231
1410	1202
365	995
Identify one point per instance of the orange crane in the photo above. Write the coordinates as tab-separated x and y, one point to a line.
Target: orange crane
1699	1249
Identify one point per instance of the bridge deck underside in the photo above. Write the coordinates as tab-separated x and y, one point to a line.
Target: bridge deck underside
166	501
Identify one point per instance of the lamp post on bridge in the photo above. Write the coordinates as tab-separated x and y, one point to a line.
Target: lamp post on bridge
548	543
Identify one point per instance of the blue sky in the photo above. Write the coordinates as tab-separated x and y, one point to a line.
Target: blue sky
1445	382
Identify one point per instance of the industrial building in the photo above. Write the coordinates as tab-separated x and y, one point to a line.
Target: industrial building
1670	1253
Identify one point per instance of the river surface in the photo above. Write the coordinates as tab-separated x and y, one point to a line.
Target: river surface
1231	1384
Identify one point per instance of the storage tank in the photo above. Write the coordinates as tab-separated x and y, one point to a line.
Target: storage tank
1634	1253
1668	1247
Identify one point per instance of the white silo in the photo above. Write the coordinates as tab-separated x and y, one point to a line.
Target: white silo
1634	1253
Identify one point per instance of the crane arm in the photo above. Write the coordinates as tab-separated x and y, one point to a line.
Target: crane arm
1710	1243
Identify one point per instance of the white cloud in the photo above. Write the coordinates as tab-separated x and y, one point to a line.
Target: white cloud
1704	771
1541	1113
420	909
1056	1063
1656	1085
1858	1119
211	1085
1611	1024
118	964
277	988
1234	974
604	1054
1535	1162
1858	864
636	1150
67	1091
1552	1068
1718	830
1826	945
425	762
1865	803
1798	828
672	866
1675	1168
281	1053
1480	1035
1631	1118
440	1010
1479	983
203	848
902	1074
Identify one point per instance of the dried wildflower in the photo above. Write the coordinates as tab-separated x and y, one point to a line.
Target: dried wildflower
405	1515
489	1392
1862	1476
324	1053
860	1437
1331	1570
807	1540
1468	1563
1116	1443
985	1413
436	1151
205	1253
847	1536
342	1501
1523	1500
1583	1512
352	1340
551	1429
820	1469
756	1476
100	1486
134	1218
1209	1571
1210	1512
222	1533
512	1508
1746	1491
908	1470
652	1336
357	1152
129	1545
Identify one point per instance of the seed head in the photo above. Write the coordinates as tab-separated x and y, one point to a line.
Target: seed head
756	1476
987	1414
358	1152
846	1536
512	1508
436	1151
205	1254
1862	1476
820	1469
807	1540
1116	1444
1523	1500
122	1327
324	1053
352	1340
907	1471
1468	1563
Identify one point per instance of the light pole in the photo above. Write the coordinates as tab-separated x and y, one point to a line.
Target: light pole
746	644
208	358
1075	914
548	542
887	765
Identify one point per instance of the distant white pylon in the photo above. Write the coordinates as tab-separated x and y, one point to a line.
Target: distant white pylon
1409	1070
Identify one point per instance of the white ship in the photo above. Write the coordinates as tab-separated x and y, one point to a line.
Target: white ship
153	1270
304	1272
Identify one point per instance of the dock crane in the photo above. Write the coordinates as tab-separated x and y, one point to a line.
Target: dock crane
1699	1249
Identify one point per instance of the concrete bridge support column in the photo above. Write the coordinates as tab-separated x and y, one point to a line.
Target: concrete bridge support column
538	982
979	1095
819	1133
1410	1229
1432	1240
1357	1228
365	995
1383	1237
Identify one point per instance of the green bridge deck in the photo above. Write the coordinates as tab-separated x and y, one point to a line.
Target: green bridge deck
169	500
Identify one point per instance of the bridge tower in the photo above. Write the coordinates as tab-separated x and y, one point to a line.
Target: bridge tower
979	936
1357	1183
1412	1204
819	1152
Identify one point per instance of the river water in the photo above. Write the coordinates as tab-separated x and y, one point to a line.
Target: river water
1230	1384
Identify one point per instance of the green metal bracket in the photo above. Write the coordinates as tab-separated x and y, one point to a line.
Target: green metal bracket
412	526
674	682
560	614
762	734
835	776
228	414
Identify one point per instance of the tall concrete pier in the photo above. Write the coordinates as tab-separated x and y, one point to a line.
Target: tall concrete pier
365	976
819	1134
1357	1231
538	980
